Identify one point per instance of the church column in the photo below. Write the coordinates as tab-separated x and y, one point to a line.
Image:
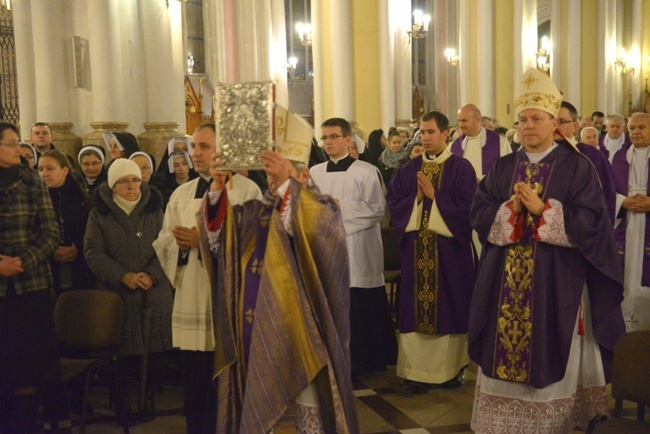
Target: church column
525	36
636	43
463	50
106	69
400	17
485	10
387	39
163	69
574	54
341	67
318	68
607	16
24	41
50	71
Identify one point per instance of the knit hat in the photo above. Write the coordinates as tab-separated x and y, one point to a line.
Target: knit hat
537	91
121	168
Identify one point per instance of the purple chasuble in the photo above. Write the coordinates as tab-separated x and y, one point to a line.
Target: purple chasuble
601	144
252	277
438	272
490	153
555	275
621	169
605	175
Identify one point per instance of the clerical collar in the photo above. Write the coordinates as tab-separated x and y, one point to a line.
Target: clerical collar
341	165
434	156
336	160
206	177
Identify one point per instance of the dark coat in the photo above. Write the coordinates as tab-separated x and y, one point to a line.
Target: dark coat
72	205
116	244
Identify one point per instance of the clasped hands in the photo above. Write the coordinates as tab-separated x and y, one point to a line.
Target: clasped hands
65	254
637	203
526	197
425	187
140	280
10	266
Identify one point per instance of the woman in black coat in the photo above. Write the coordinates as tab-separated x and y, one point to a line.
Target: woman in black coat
71	205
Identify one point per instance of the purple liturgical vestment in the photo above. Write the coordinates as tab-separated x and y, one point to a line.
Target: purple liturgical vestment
527	293
605	175
489	154
603	149
437	271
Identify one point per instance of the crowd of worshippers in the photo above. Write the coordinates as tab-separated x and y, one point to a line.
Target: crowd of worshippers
512	244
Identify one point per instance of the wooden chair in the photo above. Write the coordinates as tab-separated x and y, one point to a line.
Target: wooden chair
630	381
392	263
89	322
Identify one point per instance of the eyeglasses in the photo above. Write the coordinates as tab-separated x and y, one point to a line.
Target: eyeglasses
11	145
93	164
565	121
331	137
133	181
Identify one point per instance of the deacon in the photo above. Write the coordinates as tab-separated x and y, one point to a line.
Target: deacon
429	200
280	285
632	232
545	313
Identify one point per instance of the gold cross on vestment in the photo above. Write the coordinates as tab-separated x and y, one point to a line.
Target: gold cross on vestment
515	332
529	81
632	322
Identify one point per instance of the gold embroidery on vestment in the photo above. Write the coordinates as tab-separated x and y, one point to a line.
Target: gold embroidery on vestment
426	264
515	321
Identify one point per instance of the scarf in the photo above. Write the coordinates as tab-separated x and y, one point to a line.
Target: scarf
126	205
393	159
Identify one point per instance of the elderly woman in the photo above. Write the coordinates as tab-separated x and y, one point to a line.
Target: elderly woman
91	159
179	170
122	226
29	356
146	163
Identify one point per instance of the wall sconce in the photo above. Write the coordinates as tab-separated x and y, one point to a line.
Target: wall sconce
304	33
543	55
452	57
420	26
6	4
624	62
292	62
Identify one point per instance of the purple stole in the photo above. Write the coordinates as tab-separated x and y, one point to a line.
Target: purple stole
513	356
252	276
490	153
621	169
605	151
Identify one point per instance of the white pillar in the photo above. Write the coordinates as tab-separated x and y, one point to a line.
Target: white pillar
278	49
400	19
557	40
319	104
215	41
25	64
106	61
463	50
341	45
607	75
486	57
574	54
162	64
387	64
49	60
636	43
525	36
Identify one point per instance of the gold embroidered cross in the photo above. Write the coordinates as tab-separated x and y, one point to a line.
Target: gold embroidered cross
256	266
529	81
249	316
515	332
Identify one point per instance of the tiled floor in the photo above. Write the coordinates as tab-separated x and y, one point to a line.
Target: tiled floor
384	407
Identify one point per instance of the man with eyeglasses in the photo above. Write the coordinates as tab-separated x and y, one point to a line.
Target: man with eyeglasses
567	127
177	247
615	138
357	188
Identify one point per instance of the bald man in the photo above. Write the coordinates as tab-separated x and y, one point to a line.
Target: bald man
615	138
477	144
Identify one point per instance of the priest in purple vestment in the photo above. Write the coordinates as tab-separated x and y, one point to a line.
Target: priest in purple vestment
280	295
429	200
545	313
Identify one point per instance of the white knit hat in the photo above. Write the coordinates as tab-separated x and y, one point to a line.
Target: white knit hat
121	168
